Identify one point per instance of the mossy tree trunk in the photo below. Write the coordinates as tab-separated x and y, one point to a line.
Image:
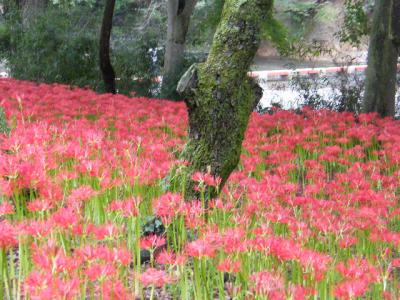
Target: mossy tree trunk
179	14
4	129
106	67
220	96
380	85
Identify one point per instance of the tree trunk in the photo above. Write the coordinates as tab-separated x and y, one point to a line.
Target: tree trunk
380	85
30	9
106	68
179	13
220	96
4	129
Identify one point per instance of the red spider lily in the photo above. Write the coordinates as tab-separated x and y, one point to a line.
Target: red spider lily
36	228
97	271
6	208
155	277
152	242
40	205
168	206
80	194
194	212
306	183
233	240
43	286
114	289
206	178
200	248
301	292
268	284
166	258
65	218
103	231
348	241
227	265
8	235
351	289
358	269
128	207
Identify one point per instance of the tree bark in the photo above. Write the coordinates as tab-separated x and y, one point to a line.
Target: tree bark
383	52
4	129
30	9
179	13
220	96
106	68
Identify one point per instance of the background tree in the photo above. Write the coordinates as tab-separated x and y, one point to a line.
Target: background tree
179	14
220	96
30	9
383	52
106	68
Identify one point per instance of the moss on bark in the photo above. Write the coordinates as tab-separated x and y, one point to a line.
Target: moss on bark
3	123
219	95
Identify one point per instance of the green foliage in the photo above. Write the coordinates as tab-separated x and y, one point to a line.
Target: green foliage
274	31
345	91
137	64
356	21
60	47
301	12
327	13
152	225
287	28
203	24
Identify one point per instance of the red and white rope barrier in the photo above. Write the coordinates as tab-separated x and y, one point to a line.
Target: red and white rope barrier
281	74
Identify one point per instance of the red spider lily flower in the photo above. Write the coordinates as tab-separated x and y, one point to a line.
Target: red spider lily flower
168	206
114	289
122	256
155	277
8	235
301	293
128	207
268	284
395	263
207	179
233	240
351	289
152	242
40	205
98	271
194	212
6	208
36	228
6	187
104	231
356	268
318	262
43	286
200	248
80	194
348	241
65	218
166	258
227	265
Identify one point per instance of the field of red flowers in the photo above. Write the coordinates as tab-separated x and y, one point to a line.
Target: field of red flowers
311	212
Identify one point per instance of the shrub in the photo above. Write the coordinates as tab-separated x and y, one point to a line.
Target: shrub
60	47
340	92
